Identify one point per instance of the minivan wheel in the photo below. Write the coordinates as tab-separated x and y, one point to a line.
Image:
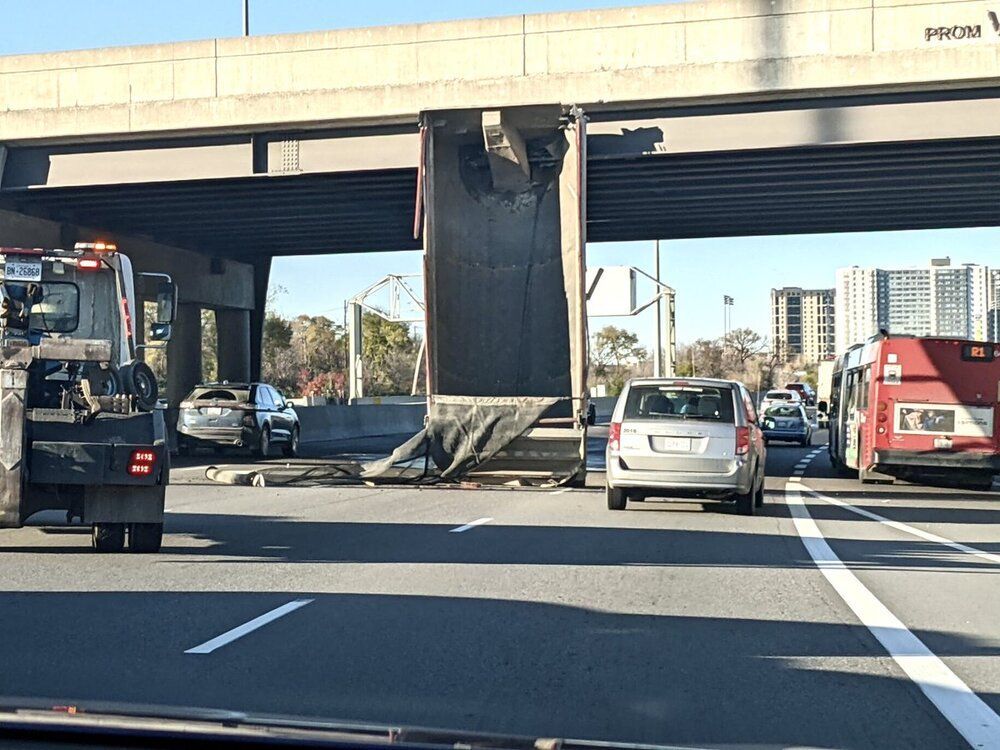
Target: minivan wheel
616	498
745	503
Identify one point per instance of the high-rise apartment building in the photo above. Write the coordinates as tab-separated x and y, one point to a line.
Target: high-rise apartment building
936	300
802	323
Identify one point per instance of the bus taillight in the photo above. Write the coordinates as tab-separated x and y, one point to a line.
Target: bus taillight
882	409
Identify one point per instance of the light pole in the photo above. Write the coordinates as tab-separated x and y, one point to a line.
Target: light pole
658	351
246	17
727	319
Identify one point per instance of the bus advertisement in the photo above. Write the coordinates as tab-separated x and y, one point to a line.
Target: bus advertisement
921	409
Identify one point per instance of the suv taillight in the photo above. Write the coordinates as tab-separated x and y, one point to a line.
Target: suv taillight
141	462
614	435
742	441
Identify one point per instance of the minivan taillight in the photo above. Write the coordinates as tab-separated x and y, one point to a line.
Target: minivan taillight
141	462
614	435
742	441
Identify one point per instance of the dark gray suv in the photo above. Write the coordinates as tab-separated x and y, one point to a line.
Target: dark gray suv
237	415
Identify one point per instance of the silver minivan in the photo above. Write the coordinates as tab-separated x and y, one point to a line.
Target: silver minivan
685	437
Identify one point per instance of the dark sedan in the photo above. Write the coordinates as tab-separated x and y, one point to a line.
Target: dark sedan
237	415
787	422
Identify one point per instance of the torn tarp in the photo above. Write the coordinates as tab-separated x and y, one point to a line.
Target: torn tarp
463	434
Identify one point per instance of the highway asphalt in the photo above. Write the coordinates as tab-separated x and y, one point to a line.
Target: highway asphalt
536	611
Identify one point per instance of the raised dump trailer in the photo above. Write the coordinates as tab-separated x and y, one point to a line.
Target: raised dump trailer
80	430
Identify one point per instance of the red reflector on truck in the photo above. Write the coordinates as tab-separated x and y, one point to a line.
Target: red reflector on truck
141	462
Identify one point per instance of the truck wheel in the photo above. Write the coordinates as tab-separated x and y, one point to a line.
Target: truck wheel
145	537
291	449
108	537
264	443
616	498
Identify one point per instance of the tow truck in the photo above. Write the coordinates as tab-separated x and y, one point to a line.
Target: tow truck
81	428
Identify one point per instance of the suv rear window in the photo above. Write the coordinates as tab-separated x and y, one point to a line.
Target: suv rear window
680	402
778	396
784	411
218	394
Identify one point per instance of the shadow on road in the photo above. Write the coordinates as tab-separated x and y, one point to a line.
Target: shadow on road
899	507
256	539
522	667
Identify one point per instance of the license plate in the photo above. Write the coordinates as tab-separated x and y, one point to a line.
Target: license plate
213	411
23	270
675	444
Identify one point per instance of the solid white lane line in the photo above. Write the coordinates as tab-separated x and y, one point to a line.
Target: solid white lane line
964	710
470	525
248	627
906	528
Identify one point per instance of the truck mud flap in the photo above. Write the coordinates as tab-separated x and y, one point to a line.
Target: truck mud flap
122	504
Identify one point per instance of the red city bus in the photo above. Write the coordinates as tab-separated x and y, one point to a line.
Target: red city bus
923	409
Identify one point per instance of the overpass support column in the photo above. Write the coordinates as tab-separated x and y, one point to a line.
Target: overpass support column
261	277
184	353
504	236
233	328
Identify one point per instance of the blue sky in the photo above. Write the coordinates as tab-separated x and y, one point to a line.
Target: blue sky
700	270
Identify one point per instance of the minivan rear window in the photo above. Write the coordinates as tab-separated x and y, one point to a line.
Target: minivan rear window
680	402
218	394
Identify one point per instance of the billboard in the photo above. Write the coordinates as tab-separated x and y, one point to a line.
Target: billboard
611	291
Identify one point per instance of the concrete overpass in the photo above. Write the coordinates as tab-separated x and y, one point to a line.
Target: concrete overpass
719	118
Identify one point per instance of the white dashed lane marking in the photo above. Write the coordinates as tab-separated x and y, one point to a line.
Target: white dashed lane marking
248	627
470	525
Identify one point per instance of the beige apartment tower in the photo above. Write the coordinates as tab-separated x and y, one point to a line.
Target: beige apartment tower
802	323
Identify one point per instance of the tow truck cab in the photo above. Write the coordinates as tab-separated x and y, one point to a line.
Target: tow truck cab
81	429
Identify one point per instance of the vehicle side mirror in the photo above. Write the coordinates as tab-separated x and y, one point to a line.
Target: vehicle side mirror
592	415
166	302
823	406
160	331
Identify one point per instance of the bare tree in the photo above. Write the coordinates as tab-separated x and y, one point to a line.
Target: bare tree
745	344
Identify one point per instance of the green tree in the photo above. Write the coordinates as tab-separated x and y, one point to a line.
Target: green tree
209	347
388	350
615	355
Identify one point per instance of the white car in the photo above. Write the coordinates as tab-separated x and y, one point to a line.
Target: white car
780	397
685	437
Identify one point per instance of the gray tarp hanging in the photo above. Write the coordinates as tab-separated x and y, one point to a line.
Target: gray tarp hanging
504	276
462	433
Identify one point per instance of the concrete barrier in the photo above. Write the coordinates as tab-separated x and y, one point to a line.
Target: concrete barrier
325	423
